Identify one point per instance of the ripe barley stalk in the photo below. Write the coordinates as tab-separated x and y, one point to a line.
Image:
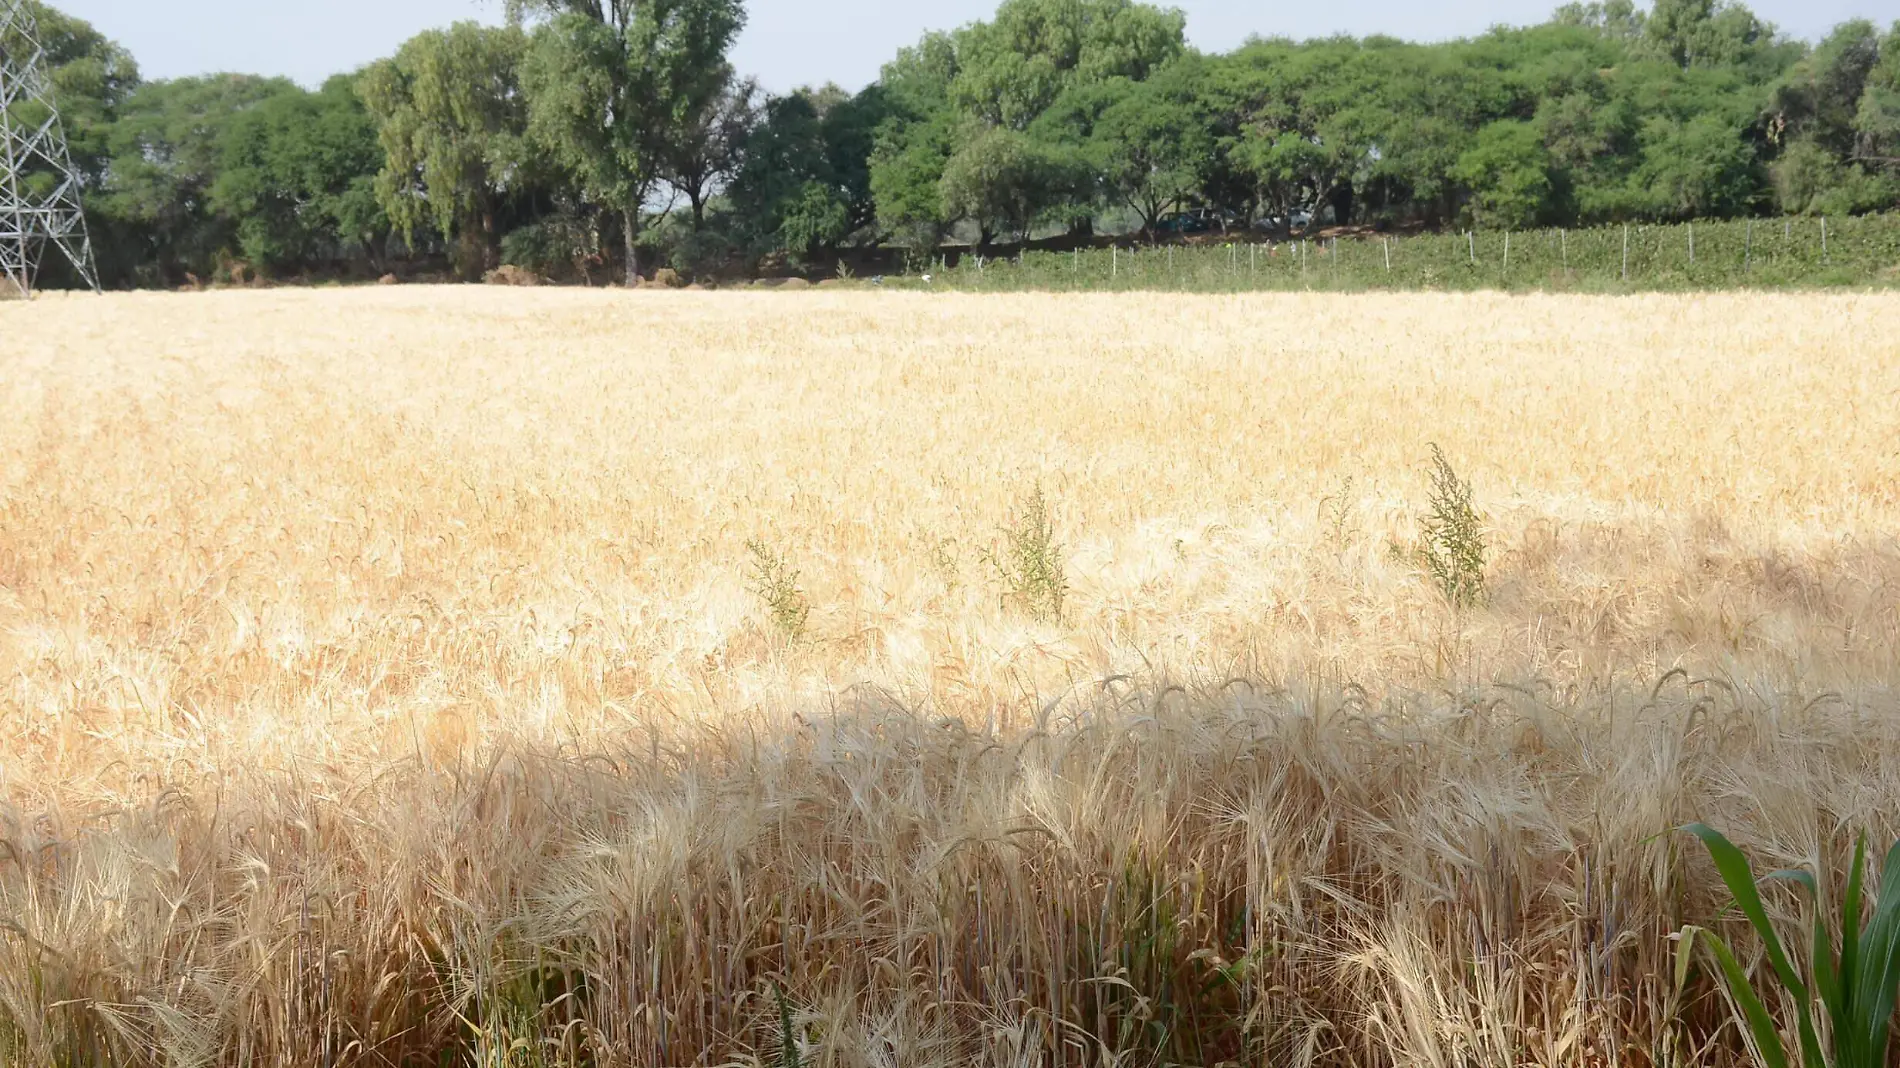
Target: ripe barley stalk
385	679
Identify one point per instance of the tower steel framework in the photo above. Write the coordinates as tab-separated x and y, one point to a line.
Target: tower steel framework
39	188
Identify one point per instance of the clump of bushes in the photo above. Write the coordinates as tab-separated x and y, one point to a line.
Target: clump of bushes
564	248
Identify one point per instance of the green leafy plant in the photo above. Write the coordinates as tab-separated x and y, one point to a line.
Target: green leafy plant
1452	539
1336	512
1856	987
788	1056
1030	563
775	582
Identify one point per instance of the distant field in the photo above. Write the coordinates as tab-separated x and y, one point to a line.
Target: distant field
1813	253
557	676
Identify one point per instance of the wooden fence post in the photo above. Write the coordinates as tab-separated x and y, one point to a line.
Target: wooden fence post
1626	252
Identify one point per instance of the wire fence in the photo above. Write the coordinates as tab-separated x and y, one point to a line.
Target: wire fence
1862	250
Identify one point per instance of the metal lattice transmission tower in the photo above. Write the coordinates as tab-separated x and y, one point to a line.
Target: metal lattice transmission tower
39	188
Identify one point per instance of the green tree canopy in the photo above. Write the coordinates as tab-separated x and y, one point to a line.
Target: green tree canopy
1000	179
167	151
451	118
298	176
616	87
1149	147
1507	170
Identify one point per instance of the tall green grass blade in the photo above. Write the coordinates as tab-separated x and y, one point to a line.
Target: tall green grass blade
1879	979
1761	1026
1849	1034
1740	879
1850	916
1827	980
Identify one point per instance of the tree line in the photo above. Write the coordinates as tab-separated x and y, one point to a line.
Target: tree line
595	139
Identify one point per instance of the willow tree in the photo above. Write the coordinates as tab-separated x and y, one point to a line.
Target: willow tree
451	119
615	86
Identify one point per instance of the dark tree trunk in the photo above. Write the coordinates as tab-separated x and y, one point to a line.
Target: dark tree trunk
630	228
1342	198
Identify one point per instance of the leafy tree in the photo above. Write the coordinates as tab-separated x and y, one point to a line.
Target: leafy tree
945	95
1150	148
785	196
1001	180
1617	19
915	141
1877	120
1820	98
1702	167
450	115
1508	172
806	181
1306	126
1013	67
299	176
1810	180
167	152
91	78
812	218
711	147
1836	114
849	127
1708	33
906	177
617	87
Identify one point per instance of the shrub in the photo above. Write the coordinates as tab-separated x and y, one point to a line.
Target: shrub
558	247
510	275
700	254
1336	513
1030	564
775	582
1452	548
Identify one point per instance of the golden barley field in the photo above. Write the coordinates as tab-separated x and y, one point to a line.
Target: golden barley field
549	677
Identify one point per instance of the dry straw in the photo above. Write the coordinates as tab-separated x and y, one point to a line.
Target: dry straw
387	678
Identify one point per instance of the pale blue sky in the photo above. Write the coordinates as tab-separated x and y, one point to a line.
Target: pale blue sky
787	42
